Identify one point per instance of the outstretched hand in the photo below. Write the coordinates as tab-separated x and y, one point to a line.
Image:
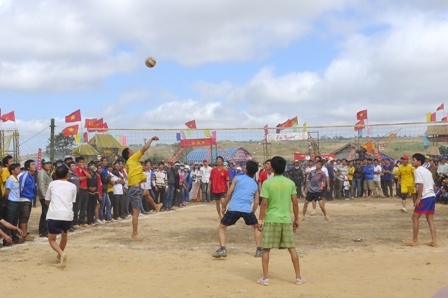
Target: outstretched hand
154	138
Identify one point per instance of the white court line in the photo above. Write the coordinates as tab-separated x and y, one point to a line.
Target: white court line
43	240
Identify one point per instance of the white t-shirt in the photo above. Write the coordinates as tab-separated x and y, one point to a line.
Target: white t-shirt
205	174
424	176
377	177
147	184
118	187
313	168
62	195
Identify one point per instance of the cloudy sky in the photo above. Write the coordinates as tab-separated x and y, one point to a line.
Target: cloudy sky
224	63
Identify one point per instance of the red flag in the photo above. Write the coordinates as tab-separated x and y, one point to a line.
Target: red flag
361	115
444	119
85	137
99	123
359	125
90	123
283	125
70	130
441	107
214	135
105	127
8	117
433	117
73	117
294	121
266	129
191	124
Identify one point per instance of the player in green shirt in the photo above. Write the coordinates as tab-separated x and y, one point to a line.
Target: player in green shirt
275	223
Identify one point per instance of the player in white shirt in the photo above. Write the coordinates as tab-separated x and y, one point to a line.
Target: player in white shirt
425	200
60	197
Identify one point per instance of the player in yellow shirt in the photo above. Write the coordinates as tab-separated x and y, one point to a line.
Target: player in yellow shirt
135	176
406	180
6	161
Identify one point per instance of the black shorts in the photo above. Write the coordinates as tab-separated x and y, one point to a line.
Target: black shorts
25	211
57	226
218	196
313	196
231	217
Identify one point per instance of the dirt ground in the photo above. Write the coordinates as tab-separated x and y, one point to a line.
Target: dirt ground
174	258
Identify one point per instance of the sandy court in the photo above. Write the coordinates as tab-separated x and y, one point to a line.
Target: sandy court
174	258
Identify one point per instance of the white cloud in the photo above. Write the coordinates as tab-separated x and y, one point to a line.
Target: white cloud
60	45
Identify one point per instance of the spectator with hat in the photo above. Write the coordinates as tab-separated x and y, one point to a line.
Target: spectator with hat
43	181
296	175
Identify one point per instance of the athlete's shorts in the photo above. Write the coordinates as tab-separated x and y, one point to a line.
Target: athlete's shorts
57	226
313	196
218	196
407	189
135	195
277	235
231	217
426	206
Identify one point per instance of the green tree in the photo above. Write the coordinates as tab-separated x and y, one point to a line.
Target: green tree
62	146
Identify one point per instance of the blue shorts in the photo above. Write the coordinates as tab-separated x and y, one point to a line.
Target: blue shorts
426	206
57	226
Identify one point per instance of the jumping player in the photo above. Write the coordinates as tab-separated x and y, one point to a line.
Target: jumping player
242	194
425	201
135	177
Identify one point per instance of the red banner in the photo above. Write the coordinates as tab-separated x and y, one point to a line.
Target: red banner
197	142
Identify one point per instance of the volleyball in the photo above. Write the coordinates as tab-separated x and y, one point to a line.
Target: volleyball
150	62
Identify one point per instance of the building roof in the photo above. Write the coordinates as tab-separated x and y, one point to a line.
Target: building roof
437	130
104	141
85	150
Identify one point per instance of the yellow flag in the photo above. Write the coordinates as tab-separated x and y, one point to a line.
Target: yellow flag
207	133
304	127
78	138
428	117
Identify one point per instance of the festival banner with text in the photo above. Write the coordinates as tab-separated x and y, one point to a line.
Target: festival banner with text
287	137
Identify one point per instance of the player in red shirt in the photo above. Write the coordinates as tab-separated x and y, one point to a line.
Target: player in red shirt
219	184
264	175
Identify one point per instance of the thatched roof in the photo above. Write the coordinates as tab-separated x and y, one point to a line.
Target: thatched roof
100	141
85	150
433	150
437	130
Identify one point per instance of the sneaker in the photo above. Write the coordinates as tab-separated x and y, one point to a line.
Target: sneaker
28	238
222	252
262	281
258	253
404	210
300	281
99	222
141	215
347	199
